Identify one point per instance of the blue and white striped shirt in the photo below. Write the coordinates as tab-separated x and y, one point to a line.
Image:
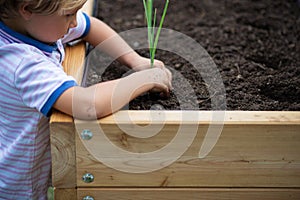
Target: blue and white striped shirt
32	79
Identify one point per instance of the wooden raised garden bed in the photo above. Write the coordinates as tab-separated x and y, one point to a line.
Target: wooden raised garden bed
256	155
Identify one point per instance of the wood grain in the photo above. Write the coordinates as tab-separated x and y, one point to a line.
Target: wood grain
190	194
62	131
63	155
74	61
65	194
258	149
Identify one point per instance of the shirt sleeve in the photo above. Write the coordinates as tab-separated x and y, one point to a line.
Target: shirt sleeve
81	30
40	82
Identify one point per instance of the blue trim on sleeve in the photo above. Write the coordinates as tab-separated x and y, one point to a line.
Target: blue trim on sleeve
88	25
46	110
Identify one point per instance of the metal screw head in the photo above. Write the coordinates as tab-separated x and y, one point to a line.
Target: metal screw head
88	198
88	178
86	134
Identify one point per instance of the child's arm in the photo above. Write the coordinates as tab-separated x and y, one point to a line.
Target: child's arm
105	98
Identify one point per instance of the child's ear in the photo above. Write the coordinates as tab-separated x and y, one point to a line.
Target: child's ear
24	12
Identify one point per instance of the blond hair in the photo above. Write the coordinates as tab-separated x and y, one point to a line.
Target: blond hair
9	8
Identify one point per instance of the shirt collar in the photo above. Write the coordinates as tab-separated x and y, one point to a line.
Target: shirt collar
19	38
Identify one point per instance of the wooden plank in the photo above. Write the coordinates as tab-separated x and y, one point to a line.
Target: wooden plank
65	194
190	194
62	132
255	149
74	61
63	155
73	66
204	117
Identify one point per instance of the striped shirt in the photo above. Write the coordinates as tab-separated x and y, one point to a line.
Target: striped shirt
32	79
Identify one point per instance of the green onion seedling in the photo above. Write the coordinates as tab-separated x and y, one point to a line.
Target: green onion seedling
151	24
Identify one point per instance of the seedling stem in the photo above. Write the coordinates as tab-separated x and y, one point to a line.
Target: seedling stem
151	24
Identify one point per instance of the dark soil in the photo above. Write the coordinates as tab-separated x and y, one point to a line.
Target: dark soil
255	45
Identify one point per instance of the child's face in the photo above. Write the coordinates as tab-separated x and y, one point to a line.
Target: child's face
50	28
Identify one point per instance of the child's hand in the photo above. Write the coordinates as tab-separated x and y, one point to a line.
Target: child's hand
142	63
160	76
162	80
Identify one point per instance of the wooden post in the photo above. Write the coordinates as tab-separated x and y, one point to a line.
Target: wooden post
62	132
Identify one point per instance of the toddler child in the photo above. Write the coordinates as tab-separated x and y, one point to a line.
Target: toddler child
32	38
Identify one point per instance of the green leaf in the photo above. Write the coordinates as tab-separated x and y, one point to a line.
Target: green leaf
151	24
